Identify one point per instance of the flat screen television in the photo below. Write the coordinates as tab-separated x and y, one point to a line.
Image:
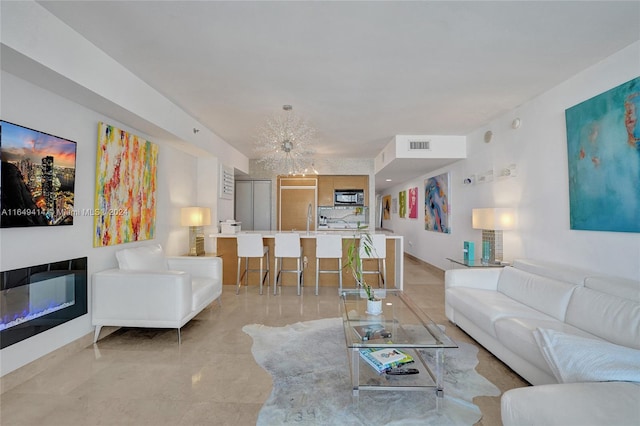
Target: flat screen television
37	179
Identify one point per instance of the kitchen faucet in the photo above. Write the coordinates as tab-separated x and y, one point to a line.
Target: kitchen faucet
308	218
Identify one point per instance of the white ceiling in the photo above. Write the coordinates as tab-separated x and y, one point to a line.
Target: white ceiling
359	72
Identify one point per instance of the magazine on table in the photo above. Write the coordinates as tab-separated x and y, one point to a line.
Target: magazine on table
384	359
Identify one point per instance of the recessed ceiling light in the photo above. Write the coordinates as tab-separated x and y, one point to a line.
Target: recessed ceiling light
388	180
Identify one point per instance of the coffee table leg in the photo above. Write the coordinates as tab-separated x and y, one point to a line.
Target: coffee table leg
439	372
355	371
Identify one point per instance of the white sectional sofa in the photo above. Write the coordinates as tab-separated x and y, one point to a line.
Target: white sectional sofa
572	333
151	290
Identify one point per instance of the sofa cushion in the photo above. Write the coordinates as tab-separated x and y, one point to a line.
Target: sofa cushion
553	270
575	359
604	315
516	334
144	258
541	293
484	307
626	289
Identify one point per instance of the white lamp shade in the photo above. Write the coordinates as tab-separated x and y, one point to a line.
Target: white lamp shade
195	216
501	219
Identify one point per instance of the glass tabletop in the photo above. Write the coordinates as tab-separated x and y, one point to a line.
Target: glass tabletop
477	263
402	324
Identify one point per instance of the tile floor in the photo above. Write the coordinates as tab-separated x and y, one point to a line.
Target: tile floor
143	377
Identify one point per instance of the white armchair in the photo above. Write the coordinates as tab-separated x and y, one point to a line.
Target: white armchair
151	290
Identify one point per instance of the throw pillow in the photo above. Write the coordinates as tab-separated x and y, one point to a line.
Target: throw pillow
144	258
575	359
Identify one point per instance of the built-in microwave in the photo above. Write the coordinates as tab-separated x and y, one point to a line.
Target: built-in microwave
348	197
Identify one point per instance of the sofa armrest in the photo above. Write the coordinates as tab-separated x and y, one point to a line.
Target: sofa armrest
128	296
479	278
197	266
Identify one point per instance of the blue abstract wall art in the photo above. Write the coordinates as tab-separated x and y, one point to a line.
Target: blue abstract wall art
436	204
603	143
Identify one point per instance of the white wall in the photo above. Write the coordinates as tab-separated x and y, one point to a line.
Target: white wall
540	192
28	105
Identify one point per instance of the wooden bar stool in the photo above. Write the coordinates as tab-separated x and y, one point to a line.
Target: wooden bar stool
251	246
328	247
287	245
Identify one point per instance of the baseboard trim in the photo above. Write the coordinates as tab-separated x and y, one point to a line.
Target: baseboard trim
433	268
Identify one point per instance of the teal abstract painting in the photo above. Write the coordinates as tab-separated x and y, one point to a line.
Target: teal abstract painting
603	143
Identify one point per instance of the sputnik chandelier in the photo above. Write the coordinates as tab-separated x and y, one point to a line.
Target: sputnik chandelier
284	144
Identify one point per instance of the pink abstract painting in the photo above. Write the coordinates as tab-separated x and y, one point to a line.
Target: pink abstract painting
413	203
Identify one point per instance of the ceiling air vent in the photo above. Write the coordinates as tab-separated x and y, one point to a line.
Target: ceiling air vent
419	145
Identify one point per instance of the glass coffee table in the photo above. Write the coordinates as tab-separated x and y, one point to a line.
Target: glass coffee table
402	325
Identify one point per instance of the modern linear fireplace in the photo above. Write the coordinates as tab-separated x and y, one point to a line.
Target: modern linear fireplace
38	298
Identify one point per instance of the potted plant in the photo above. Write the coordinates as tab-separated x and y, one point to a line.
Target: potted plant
354	262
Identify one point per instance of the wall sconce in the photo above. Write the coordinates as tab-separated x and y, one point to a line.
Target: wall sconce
195	218
492	222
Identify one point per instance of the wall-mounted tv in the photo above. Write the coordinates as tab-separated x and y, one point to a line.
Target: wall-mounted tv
37	179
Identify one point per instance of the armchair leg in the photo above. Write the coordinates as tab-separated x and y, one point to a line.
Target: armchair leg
97	333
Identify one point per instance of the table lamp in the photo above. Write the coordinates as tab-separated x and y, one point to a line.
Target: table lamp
195	218
492	221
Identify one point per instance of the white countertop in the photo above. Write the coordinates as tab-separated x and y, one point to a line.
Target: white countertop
345	233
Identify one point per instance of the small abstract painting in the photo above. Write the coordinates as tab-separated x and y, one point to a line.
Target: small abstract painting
436	204
402	201
603	144
386	207
394	205
413	203
125	200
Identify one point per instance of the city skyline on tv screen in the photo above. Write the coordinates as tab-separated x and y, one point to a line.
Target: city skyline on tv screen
38	177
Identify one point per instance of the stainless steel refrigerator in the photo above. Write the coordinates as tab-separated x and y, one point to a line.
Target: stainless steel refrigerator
253	204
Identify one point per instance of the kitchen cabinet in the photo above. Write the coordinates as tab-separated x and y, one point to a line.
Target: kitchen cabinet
349	182
253	204
325	190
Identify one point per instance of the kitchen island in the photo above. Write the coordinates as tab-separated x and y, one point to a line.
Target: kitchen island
226	247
